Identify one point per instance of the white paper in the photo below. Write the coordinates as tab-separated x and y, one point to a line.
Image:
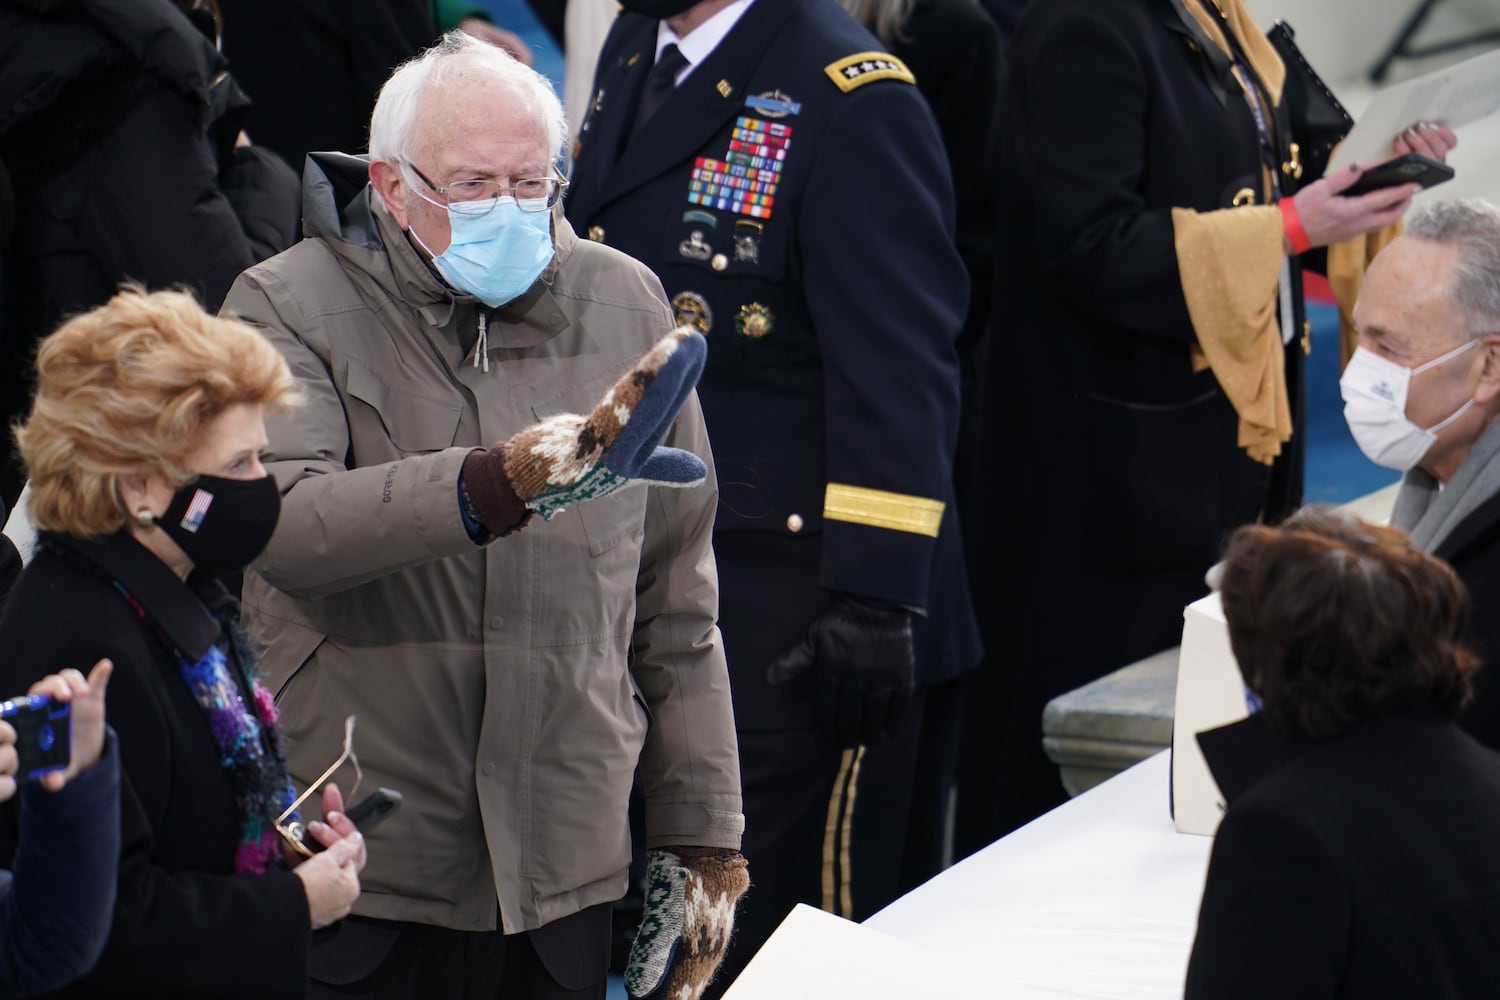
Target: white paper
1210	693
815	955
1454	96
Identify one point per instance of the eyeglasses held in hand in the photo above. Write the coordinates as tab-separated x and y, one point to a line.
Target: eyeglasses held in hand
294	830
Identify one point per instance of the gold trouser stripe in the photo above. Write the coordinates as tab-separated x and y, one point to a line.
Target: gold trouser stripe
846	901
879	509
837	866
831	831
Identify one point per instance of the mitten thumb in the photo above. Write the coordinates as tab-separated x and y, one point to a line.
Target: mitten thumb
672	467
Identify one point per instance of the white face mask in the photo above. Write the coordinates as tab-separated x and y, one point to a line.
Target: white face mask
1374	392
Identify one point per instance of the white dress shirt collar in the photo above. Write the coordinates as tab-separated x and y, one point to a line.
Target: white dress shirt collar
697	44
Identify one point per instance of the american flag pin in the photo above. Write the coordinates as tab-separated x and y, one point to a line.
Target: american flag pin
197	510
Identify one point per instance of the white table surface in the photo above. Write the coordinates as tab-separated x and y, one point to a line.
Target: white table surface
1097	898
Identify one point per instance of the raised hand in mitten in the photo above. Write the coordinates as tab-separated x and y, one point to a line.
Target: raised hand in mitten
568	459
691	893
863	666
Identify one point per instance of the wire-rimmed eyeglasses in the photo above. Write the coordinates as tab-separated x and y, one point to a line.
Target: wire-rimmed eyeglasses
477	197
294	830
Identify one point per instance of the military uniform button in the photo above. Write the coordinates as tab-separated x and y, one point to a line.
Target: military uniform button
596	233
794	523
720	262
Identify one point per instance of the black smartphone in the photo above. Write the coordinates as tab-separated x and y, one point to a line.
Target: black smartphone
374	809
366	814
1413	168
44	735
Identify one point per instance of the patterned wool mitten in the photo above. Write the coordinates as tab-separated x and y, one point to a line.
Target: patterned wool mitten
688	921
567	459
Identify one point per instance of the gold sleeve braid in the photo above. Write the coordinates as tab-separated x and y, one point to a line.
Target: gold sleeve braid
880	509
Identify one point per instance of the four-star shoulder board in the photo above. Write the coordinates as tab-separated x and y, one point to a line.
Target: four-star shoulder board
867	67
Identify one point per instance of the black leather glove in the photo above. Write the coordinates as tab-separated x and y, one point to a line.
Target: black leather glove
860	654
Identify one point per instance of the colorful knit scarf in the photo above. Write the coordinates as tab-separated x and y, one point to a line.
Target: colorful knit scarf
249	746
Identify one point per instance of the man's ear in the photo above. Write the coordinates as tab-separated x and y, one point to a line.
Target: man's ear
1488	389
389	183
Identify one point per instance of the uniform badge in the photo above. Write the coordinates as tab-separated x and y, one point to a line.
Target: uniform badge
747	249
691	310
754	321
694	247
747	241
744	181
773	104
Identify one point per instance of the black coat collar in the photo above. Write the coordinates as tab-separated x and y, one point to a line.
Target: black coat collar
1215	65
182	612
1479	523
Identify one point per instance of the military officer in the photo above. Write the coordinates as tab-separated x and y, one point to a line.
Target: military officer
785	180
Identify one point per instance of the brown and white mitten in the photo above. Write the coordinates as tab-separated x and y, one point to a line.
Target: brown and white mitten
689	919
570	458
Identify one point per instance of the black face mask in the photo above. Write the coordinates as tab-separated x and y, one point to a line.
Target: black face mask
222	524
659	9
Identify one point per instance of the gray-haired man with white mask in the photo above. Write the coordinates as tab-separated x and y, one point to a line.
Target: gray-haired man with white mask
1421	395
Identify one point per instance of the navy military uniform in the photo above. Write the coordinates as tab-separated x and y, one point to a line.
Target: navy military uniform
793	197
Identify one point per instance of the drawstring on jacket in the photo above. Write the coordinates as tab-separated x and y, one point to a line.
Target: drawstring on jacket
482	345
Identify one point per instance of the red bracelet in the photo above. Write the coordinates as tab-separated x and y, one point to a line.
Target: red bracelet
1293	224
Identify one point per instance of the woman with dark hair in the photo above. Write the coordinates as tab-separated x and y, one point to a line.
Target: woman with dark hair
1367	864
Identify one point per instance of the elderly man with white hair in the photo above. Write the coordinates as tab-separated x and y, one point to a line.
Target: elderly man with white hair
510	674
1421	395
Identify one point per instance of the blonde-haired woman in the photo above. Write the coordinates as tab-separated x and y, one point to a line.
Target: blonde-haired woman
142	447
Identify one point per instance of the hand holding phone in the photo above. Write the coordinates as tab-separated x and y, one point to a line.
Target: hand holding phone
43	735
1413	168
366	814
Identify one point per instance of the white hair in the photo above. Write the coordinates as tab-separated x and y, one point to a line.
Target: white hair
1472	226
394	120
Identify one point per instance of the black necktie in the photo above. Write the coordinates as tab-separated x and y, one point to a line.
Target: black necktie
658	85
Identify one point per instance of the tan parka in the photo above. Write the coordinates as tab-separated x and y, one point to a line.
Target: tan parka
508	691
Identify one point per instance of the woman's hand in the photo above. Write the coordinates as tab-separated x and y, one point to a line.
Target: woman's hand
87	715
1330	216
1433	140
335	825
9	762
331	879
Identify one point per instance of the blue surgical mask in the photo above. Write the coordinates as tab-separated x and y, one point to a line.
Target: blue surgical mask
496	256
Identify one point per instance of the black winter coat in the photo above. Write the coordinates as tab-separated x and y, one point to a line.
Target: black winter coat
1473	550
1114	469
185	924
118	122
1366	867
314	67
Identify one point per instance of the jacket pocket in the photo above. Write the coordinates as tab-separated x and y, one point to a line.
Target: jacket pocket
609	520
413	424
1153	497
780	496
